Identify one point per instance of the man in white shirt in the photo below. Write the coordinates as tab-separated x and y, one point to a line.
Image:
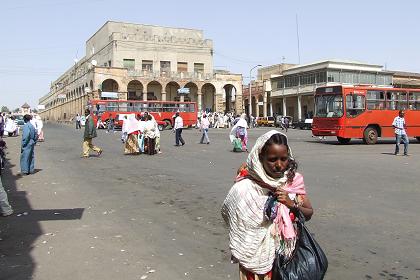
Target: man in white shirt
204	127
400	133
179	124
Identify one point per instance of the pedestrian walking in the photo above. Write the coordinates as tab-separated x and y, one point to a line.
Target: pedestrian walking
204	128
111	124
400	132
90	133
286	123
273	194
178	126
240	131
78	122
29	139
6	209
150	135
2	124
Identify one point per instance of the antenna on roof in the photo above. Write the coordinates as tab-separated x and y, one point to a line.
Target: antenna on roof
297	35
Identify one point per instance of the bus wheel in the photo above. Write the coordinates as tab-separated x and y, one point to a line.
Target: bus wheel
418	138
342	140
168	124
370	136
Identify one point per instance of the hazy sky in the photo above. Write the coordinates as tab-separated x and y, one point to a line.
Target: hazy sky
40	39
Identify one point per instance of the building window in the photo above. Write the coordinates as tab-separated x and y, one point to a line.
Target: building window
128	63
198	67
147	65
165	66
291	81
333	76
182	67
321	77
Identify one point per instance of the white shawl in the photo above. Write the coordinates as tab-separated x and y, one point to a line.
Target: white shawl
251	241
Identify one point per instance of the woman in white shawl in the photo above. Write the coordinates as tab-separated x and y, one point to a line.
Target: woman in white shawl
131	129
261	206
150	135
39	127
240	130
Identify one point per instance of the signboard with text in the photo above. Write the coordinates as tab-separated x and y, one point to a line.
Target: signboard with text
183	91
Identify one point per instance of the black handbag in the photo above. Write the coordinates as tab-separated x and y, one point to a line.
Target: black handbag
308	261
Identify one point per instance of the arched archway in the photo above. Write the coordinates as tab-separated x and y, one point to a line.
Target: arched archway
208	95
193	95
109	85
171	90
230	95
135	90
154	91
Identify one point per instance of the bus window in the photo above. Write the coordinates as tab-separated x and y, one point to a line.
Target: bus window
414	101
375	100
355	105
122	107
330	106
137	107
112	106
183	107
396	100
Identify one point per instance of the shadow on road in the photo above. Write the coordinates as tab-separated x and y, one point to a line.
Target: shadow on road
19	232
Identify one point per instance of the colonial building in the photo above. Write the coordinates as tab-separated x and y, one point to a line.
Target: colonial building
292	92
261	90
144	62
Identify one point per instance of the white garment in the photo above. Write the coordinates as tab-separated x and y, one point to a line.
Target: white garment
241	123
179	123
149	129
10	126
251	240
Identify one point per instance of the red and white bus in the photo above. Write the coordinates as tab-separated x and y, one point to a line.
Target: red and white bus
364	112
162	111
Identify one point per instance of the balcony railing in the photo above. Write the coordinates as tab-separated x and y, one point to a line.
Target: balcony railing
170	75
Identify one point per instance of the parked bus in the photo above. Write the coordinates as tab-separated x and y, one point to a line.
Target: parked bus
163	111
364	112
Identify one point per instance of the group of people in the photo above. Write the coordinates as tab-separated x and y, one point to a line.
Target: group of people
140	134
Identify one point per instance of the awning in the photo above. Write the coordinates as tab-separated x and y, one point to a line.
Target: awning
108	94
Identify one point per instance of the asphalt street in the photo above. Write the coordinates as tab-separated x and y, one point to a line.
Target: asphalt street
158	217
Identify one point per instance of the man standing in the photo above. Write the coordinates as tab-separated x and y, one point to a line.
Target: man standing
111	124
90	133
29	138
179	124
78	124
400	133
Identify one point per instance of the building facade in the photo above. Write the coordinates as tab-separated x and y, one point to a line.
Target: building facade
261	90
144	62
292	92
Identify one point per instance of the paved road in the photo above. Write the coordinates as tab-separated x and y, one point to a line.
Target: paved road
123	217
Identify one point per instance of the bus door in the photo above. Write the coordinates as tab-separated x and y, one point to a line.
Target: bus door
354	121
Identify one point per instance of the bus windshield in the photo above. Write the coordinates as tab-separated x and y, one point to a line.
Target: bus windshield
329	106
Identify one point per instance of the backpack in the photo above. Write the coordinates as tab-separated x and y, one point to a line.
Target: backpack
237	145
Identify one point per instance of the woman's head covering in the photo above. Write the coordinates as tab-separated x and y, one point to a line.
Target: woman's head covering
254	165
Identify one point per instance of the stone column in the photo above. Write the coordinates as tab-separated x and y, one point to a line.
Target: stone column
257	107
199	100
299	106
181	98
144	94
163	96
265	104
284	106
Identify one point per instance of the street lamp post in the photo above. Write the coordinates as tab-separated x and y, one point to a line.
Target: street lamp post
250	90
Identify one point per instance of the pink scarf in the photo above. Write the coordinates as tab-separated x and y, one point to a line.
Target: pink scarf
283	222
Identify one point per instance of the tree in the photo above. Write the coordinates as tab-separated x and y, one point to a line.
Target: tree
16	110
35	111
4	109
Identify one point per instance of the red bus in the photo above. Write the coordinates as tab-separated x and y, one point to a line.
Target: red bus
364	112
162	111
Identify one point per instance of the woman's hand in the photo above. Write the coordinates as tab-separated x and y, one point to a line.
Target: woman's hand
283	198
